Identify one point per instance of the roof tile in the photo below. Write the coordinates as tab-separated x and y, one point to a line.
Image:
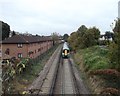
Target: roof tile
25	39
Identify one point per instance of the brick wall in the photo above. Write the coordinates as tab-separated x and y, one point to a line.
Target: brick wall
14	50
31	50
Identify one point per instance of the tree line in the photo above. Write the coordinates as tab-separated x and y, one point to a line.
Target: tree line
5	31
86	37
114	53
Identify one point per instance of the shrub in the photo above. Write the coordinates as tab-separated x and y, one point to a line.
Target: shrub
110	91
100	65
106	72
114	56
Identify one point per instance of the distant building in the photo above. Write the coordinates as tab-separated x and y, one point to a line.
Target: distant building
119	9
103	37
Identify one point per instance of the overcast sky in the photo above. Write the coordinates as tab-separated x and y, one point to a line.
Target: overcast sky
62	16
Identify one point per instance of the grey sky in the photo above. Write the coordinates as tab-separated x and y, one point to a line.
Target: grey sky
63	16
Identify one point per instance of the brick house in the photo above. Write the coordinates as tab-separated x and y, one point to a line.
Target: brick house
22	46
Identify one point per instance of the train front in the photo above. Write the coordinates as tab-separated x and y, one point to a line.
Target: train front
65	51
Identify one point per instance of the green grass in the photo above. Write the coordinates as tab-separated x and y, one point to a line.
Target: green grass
95	58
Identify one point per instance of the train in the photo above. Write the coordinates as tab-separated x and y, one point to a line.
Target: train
65	50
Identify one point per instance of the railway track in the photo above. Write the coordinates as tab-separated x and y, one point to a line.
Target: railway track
59	76
65	81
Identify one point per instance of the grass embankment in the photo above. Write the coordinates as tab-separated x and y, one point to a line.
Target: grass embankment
26	78
92	59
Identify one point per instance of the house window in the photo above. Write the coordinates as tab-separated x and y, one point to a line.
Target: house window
19	45
39	49
30	53
20	55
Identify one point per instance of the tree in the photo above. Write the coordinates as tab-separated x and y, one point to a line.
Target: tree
65	37
82	29
96	33
13	33
116	31
114	53
88	37
108	35
84	37
73	40
5	30
55	37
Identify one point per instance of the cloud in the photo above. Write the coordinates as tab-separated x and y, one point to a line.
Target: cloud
46	16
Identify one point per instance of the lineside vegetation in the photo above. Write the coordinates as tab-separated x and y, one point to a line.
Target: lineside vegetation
96	59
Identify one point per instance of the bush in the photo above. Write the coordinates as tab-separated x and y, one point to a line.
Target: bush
111	77
110	92
100	65
103	42
103	52
114	56
95	58
106	72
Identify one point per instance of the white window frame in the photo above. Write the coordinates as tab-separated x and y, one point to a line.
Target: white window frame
20	45
20	55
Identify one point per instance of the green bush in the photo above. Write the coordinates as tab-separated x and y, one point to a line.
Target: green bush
100	65
114	56
95	58
103	52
